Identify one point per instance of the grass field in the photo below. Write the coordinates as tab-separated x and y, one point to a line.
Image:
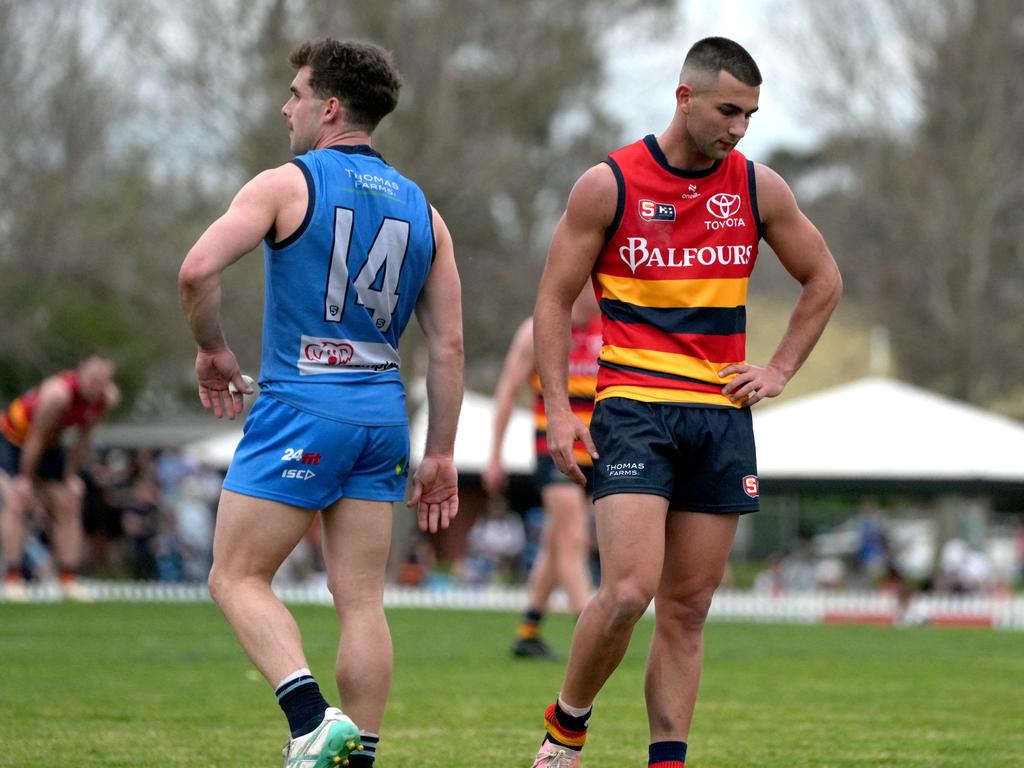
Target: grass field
109	684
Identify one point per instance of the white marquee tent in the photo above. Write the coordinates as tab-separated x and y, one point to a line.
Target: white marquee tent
873	429
881	429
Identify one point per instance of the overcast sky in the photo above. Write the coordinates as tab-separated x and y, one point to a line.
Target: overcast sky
643	73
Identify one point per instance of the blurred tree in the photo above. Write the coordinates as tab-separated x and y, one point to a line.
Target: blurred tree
918	189
498	115
83	221
128	125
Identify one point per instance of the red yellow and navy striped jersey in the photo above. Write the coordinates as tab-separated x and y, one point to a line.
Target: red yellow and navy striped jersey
15	421
585	346
672	277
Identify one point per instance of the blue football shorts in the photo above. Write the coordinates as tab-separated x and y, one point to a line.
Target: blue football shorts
308	461
702	459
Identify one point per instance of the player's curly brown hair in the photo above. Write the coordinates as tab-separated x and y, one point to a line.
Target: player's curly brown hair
361	75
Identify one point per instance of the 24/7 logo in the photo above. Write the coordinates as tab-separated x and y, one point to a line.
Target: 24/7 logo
302	456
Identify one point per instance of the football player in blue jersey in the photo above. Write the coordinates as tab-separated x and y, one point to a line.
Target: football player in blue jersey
351	249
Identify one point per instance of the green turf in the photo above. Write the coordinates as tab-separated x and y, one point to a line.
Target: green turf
110	685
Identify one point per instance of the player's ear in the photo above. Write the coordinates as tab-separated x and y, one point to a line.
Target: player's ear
333	109
684	93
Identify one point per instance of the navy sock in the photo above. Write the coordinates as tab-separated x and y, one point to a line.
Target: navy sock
666	754
365	758
529	624
302	703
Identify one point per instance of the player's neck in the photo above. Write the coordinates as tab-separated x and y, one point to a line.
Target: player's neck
680	152
344	137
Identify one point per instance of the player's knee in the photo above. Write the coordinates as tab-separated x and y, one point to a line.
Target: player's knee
687	613
628	601
217	584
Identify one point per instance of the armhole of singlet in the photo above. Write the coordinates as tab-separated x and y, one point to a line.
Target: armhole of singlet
433	234
752	183
310	205
620	204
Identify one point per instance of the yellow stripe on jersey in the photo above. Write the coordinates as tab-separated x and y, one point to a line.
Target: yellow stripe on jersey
667	362
666	395
582	386
715	292
540	420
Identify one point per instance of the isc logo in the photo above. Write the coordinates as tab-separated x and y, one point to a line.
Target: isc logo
298	474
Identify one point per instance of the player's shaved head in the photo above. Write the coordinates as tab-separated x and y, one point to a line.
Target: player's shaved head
712	55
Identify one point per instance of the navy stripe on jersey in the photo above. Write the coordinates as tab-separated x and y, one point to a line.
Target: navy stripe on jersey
646	372
752	183
620	204
310	205
433	234
696	320
357	149
659	156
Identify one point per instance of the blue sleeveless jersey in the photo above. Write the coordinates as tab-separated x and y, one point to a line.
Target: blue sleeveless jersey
341	289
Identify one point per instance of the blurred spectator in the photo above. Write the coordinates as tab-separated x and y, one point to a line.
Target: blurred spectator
496	543
965	570
769	581
872	548
191	517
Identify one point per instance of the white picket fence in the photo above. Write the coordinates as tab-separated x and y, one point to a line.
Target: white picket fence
1000	612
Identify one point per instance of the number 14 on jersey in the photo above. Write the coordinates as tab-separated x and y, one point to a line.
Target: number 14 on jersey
376	284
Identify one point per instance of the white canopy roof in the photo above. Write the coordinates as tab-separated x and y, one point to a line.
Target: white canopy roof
884	429
475	434
873	428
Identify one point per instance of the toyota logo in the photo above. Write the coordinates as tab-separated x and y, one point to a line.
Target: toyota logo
723	206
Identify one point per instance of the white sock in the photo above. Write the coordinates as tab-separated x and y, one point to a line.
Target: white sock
574	711
294	676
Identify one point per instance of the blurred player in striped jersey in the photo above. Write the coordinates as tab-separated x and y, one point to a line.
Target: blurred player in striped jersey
565	540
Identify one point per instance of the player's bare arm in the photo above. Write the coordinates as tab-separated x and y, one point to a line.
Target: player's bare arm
575	246
805	255
439	312
54	400
515	375
274	201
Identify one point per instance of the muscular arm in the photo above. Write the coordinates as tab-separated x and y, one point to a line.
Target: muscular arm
575	246
439	311
803	252
256	210
515	375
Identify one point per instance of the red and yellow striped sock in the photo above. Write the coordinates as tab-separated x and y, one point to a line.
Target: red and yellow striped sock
529	624
564	729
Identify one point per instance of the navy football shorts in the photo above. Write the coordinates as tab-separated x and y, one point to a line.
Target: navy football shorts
298	458
548	474
49	468
701	459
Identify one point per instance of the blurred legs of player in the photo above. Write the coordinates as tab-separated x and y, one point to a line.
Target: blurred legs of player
562	560
64	500
635	531
12	536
